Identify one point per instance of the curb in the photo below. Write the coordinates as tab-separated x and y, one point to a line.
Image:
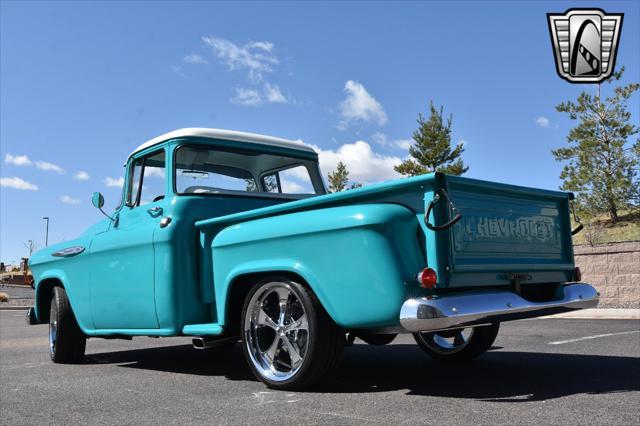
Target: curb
603	313
14	308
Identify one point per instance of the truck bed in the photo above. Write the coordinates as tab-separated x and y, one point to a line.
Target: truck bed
506	232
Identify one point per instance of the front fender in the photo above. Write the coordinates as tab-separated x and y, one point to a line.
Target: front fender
69	272
359	260
43	293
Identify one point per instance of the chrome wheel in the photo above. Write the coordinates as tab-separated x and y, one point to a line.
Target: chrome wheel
53	330
447	342
276	331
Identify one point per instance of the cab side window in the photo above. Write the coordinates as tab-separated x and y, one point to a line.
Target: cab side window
153	179
147	180
135	173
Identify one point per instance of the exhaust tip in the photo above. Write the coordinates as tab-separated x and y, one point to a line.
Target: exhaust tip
208	342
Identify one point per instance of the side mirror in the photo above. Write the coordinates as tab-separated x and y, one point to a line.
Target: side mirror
97	200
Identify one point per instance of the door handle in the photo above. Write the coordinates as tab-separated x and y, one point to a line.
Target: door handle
155	211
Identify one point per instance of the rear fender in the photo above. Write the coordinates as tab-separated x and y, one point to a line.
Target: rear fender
359	260
273	267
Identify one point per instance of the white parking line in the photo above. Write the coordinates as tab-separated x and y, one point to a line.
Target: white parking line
597	336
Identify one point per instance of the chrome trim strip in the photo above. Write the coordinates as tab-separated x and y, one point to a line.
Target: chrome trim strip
461	310
69	251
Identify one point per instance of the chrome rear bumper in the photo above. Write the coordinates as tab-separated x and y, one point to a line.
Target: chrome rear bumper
461	310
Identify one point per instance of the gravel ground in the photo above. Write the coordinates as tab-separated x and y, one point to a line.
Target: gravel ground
628	305
18	295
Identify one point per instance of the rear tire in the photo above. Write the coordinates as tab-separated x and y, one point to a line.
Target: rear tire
458	345
288	339
66	341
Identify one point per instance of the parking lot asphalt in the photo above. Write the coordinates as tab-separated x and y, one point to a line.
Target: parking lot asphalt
545	371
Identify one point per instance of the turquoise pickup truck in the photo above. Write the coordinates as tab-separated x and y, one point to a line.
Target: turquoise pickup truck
227	236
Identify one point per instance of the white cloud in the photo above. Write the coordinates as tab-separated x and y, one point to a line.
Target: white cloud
365	165
177	69
154	172
264	45
194	58
49	167
82	175
114	183
382	140
252	97
403	143
291	187
69	200
359	105
379	138
17	160
17	183
300	173
543	121
273	94
246	97
256	57
296	180
23	160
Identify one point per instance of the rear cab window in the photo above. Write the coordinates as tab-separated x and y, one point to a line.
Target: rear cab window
201	169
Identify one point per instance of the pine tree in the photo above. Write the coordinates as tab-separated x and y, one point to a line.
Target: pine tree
432	149
603	167
339	179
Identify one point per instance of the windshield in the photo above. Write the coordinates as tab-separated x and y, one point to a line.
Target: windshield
214	170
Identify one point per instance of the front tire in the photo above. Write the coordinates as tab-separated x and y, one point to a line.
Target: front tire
460	344
66	341
288	339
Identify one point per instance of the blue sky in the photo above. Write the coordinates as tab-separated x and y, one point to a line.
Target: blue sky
83	84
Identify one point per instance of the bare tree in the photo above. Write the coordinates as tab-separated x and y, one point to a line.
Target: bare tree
593	233
31	246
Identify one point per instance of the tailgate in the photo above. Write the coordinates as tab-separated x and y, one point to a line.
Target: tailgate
505	232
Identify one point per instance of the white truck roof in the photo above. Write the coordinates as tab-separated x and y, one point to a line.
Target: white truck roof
228	135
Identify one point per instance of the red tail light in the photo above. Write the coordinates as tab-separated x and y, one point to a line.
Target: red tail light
427	278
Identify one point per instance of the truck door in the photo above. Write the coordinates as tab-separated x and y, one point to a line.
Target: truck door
122	274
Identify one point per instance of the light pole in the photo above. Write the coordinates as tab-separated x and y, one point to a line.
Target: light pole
46	235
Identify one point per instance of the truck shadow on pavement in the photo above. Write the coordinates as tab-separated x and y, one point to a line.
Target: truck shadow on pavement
497	376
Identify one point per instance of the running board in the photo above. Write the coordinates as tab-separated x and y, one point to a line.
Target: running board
209	329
